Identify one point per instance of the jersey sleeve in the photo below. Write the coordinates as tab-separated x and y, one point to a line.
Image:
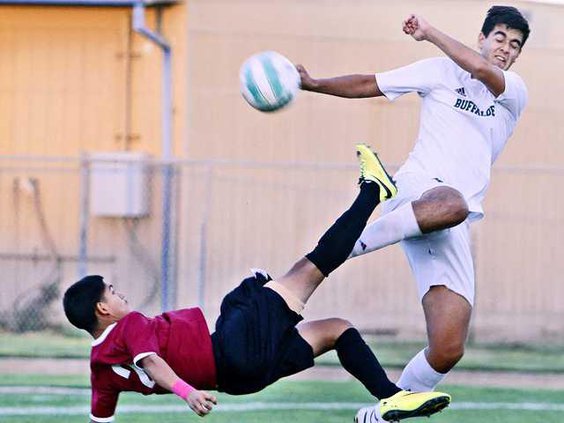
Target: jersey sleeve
515	96
140	337
103	403
420	77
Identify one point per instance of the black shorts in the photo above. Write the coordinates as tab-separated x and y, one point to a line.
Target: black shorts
256	341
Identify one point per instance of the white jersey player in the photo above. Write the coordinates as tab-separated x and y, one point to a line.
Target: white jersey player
470	105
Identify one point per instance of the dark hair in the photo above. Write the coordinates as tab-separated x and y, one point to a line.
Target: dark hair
80	302
509	16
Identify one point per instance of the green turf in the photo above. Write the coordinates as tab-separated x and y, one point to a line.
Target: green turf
75	381
45	344
296	392
483	357
315	417
392	354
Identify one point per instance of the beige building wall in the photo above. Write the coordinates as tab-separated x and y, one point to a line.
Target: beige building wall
516	245
74	81
77	80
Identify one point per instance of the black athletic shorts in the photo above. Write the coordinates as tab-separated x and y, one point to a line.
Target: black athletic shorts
256	341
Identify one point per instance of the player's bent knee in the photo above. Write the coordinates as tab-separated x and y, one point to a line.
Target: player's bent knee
440	208
458	211
337	326
344	324
455	207
322	335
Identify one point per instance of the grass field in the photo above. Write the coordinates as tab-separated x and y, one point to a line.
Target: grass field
66	400
392	354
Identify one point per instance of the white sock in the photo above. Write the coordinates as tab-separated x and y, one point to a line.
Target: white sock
419	376
387	230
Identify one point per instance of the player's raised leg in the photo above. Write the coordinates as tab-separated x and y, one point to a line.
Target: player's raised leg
336	244
438	208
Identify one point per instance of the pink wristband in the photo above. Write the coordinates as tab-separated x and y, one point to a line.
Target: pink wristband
182	389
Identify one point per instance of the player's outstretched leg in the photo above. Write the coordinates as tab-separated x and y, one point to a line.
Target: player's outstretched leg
404	405
336	244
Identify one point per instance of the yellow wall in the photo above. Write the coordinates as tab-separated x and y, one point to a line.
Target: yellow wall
62	79
78	79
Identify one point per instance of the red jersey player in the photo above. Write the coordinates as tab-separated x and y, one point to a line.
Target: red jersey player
259	336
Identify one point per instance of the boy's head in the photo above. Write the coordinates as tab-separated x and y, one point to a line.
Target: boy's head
503	36
91	303
509	16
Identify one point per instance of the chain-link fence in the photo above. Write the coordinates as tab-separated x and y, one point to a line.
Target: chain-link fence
64	218
103	214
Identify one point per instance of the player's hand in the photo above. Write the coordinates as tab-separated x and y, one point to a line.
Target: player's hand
416	26
307	82
201	402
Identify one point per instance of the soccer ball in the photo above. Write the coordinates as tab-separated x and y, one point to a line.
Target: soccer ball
269	81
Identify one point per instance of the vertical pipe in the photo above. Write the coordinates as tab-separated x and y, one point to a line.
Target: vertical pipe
167	284
168	171
201	282
84	216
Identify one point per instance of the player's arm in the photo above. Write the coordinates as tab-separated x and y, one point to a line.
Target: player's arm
468	59
348	86
201	402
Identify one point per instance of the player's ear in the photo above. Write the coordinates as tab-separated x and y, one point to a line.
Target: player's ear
481	39
101	309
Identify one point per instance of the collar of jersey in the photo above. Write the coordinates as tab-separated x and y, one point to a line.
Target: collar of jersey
102	337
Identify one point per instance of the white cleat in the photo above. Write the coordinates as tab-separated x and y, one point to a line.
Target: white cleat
369	415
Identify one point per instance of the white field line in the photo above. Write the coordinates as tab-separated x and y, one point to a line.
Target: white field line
223	408
261	406
48	390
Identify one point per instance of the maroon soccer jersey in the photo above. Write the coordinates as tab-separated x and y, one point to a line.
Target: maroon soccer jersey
180	337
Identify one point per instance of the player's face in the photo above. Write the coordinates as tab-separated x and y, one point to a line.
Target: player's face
502	46
115	302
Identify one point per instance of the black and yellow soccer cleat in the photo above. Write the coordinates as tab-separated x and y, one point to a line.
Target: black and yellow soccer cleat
372	169
404	405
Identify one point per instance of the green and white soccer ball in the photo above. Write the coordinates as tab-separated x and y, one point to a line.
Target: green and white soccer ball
269	81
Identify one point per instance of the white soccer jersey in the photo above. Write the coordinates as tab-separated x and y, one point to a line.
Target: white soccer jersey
463	127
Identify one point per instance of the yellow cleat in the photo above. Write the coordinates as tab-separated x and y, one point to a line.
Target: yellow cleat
372	169
404	405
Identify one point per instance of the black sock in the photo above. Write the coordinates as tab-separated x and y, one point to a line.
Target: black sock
358	359
337	243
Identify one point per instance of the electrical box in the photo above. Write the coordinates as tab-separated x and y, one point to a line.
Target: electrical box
119	184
